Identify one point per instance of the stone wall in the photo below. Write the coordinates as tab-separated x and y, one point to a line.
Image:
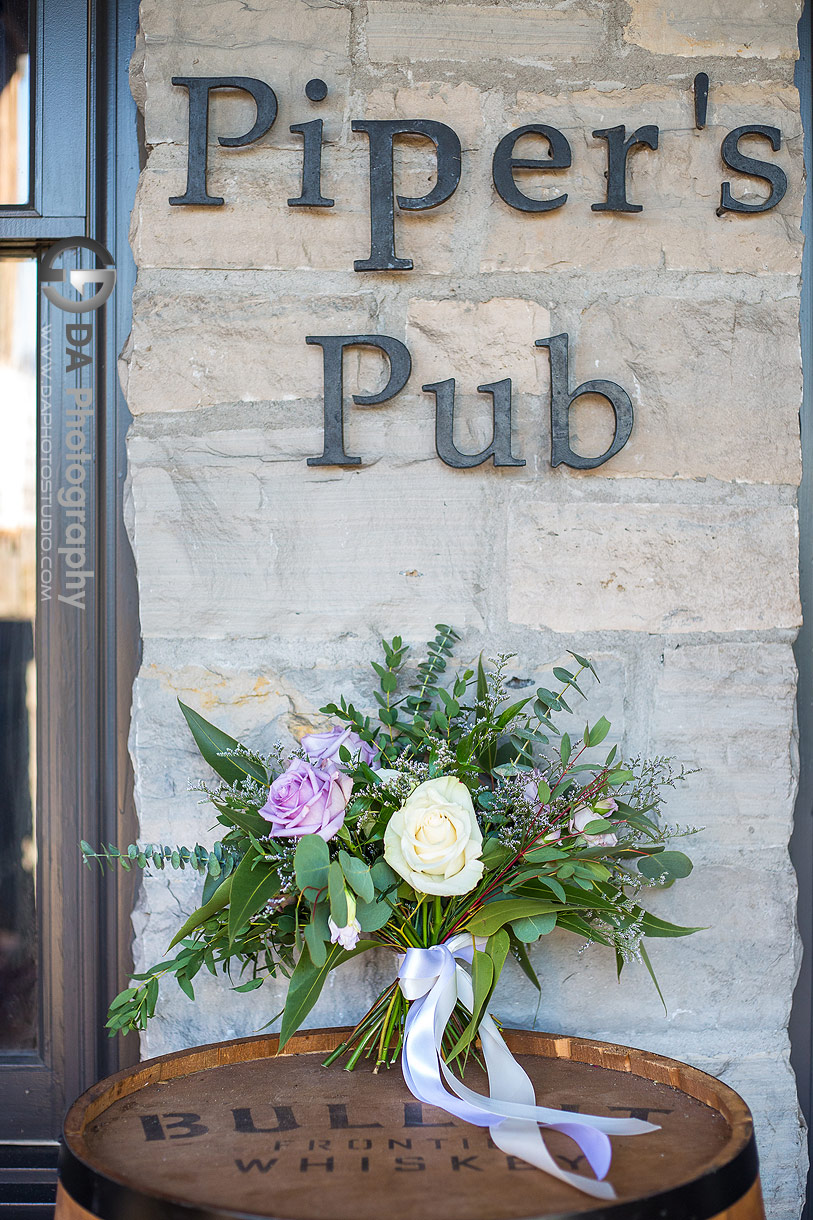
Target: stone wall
265	583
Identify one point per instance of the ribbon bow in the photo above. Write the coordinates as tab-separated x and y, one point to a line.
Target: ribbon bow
433	980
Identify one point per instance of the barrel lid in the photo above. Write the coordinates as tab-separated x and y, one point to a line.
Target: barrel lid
232	1130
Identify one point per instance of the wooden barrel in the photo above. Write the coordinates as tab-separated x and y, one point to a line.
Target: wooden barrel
231	1130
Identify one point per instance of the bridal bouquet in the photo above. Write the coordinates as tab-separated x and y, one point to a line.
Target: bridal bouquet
455	830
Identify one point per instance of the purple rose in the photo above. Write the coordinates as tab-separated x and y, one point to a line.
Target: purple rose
307	800
324	747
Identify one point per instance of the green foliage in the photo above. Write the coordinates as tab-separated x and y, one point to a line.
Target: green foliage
268	905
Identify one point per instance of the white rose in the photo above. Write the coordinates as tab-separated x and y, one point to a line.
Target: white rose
433	841
582	817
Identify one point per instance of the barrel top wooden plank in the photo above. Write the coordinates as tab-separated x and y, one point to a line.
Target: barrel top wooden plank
234	1130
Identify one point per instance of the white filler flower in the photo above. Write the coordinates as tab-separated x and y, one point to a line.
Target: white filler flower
433	841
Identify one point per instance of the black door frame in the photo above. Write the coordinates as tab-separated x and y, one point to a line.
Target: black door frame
85	166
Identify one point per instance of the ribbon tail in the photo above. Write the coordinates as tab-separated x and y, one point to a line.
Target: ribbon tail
433	981
524	1139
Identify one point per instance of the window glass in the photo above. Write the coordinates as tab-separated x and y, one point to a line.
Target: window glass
15	102
18	851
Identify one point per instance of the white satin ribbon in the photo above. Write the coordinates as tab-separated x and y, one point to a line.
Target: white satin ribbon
433	980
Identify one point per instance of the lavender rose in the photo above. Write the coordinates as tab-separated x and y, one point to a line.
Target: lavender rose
307	800
324	747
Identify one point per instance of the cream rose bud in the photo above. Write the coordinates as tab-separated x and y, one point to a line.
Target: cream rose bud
582	817
433	841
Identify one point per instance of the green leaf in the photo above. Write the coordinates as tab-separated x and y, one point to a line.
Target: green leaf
482	978
510	712
253	883
338	897
384	877
621	776
520	955
673	863
495	915
372	915
358	876
247	820
251	985
122	998
307	982
538	855
497	947
311	865
216	903
564	749
495	853
562	675
648	964
152	996
213	742
597	826
653	926
482	681
532	927
543	791
316	945
598	732
185	985
552	884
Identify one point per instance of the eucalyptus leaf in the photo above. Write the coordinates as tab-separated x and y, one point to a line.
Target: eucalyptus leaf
372	915
358	876
311	865
532	927
316	945
672	863
338	896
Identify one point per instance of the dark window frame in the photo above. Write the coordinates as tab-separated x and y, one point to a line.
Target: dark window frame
85	165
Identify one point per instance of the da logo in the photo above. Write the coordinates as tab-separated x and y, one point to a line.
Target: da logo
103	276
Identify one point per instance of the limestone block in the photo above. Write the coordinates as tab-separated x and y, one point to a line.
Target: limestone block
220	552
708	701
716	387
653	567
282	42
460	106
476	342
754	29
213	337
398	32
255	228
678	185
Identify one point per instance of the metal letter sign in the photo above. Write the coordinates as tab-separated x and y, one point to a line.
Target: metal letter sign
617	151
505	167
504	164
381	133
500	447
561	400
734	159
333	353
199	88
